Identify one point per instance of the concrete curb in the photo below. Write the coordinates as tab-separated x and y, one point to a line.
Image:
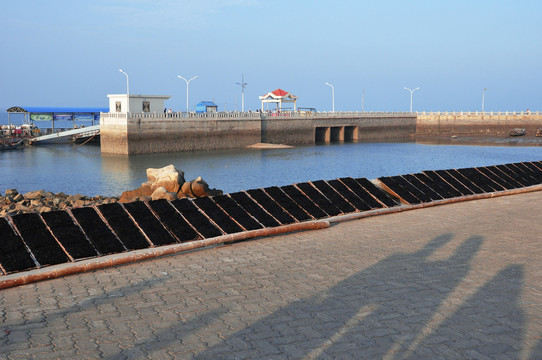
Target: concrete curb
55	271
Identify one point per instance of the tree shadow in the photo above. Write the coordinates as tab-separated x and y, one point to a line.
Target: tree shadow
377	313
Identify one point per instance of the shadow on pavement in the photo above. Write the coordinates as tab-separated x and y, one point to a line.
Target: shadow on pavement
385	311
489	324
390	310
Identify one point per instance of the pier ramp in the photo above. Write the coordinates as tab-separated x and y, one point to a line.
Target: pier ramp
88	131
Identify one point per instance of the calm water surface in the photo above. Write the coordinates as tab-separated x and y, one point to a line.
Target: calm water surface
84	170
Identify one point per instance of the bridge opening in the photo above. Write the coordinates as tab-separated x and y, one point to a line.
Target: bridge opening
321	135
337	134
350	133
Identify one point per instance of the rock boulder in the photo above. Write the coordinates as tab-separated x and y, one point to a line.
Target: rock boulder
167	177
198	188
162	193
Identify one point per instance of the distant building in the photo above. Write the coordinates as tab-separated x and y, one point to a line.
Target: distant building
118	103
206	107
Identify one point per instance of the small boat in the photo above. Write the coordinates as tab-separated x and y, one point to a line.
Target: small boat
516	132
538	132
10	145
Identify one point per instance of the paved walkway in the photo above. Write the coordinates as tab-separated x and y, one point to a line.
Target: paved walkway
456	281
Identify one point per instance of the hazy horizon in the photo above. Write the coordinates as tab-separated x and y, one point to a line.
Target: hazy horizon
65	53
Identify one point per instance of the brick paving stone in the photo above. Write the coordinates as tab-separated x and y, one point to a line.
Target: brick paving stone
455	281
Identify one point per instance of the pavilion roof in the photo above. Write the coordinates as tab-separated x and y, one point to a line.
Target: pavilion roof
278	94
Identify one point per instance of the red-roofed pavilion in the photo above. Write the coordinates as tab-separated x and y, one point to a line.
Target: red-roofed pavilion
278	96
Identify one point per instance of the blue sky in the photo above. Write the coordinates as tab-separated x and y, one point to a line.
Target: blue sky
68	53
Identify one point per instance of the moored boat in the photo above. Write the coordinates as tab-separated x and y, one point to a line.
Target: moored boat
10	145
516	132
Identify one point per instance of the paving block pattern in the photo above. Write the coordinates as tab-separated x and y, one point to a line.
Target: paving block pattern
461	281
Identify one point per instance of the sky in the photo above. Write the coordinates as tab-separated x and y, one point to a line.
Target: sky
69	52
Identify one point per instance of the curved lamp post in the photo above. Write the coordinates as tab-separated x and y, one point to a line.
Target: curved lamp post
411	92
127	91
332	96
187	82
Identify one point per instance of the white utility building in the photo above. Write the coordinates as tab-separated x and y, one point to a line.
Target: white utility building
122	103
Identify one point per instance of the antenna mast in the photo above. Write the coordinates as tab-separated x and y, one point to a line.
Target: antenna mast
243	85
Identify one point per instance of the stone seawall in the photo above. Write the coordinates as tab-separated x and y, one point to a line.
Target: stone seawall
300	130
476	123
163	134
156	133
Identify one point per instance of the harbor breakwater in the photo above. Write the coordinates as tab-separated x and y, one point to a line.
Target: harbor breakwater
140	133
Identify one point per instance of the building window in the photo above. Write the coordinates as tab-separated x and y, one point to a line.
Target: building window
146	106
118	106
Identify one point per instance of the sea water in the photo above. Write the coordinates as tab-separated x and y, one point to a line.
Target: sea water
73	169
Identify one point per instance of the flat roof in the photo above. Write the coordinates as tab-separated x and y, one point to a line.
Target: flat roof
165	97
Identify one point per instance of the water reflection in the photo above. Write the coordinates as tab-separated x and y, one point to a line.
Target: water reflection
116	169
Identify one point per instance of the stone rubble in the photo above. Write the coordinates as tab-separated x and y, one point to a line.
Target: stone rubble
163	183
14	203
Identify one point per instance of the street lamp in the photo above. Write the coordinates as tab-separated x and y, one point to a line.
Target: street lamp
187	82
243	85
127	91
483	98
332	96
411	92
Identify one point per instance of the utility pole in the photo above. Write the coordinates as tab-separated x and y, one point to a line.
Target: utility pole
243	85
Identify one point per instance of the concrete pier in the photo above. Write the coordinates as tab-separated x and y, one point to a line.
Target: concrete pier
338	127
154	133
140	133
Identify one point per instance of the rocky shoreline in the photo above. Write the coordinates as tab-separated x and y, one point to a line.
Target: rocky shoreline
163	183
14	203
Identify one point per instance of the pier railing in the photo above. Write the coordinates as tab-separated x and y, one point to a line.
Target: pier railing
260	115
311	114
479	113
